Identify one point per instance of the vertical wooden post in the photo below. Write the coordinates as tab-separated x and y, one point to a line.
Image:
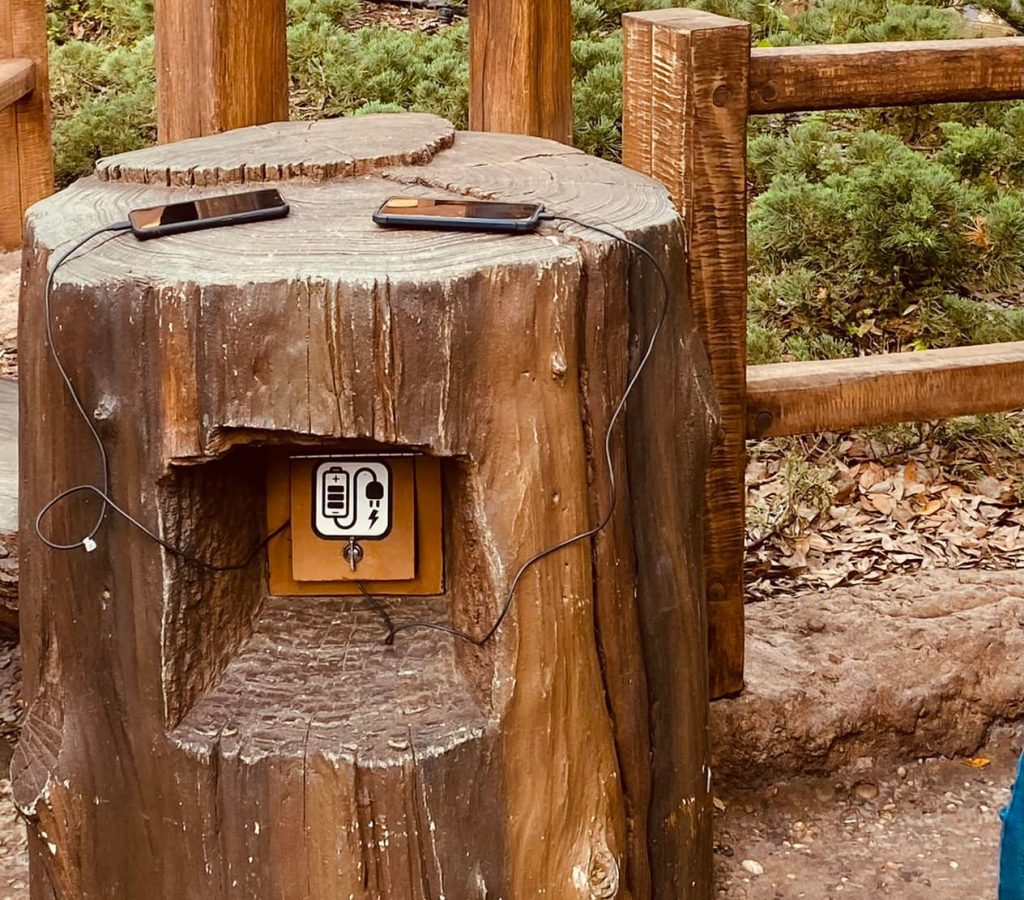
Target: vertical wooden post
26	164
520	65
220	64
686	97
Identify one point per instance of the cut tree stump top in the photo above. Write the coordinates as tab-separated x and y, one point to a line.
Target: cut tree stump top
348	167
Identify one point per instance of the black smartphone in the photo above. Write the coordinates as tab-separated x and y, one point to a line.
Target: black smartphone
207	212
462	215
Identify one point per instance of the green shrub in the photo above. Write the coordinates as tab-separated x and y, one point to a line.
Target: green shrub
858	243
104	102
335	72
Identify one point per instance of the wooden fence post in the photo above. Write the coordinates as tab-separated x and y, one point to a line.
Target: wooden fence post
26	169
520	63
686	99
220	64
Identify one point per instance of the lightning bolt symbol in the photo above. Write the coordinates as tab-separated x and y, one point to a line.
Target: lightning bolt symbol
373	517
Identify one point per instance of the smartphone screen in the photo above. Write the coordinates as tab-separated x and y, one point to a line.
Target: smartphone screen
483	215
156	219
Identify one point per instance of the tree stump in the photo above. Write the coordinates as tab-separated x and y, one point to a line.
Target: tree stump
189	735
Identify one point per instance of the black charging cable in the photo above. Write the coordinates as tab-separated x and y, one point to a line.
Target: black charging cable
506	606
88	543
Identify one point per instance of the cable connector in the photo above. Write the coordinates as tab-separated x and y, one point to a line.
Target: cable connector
89	544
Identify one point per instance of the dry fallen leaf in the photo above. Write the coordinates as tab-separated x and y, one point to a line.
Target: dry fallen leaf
859	515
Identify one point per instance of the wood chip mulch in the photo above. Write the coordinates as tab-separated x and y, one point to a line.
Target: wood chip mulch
406	17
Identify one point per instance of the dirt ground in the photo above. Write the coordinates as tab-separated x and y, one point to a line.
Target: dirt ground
13	859
923	830
916	666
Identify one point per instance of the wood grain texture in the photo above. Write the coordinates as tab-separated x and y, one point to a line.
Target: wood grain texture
520	67
900	73
26	167
17	78
839	394
274	747
286	151
686	113
220	64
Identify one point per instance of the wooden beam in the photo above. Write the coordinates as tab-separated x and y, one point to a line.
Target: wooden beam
901	73
26	166
520	67
220	64
685	123
840	394
17	78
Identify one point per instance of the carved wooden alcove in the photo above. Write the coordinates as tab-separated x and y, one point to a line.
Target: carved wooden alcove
190	736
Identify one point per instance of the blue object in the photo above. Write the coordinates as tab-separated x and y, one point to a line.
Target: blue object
1011	850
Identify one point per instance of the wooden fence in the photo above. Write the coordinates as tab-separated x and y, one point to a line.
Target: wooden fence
26	160
691	80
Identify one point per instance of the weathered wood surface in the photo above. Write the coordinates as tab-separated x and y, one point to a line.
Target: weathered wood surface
685	123
26	158
17	78
202	739
900	73
520	67
839	394
220	64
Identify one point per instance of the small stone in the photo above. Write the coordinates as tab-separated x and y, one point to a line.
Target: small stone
824	792
953	864
902	771
798	827
866	790
752	866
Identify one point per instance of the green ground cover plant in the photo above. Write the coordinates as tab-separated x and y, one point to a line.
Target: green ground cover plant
869	231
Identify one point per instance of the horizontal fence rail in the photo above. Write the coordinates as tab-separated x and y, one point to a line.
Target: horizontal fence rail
17	78
840	394
901	73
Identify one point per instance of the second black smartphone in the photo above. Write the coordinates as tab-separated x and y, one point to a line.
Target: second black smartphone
207	212
459	215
